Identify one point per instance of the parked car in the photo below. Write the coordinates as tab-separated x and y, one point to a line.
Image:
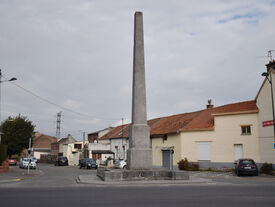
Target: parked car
246	167
27	162
61	161
12	161
87	163
34	159
121	164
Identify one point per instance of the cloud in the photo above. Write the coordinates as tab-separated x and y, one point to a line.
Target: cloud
79	54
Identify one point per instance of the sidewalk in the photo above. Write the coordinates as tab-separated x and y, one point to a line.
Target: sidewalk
96	181
16	174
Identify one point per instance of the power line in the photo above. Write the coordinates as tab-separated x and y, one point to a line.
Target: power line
57	105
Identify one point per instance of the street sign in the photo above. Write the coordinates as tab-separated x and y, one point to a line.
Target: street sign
273	145
267	123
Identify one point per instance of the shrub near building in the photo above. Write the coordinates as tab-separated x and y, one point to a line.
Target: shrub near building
186	165
266	168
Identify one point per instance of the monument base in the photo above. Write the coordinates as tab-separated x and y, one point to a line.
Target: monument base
135	175
139	159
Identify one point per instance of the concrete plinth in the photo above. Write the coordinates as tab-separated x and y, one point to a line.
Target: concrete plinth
135	175
140	158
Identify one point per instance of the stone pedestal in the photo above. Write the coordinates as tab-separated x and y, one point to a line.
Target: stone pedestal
139	154
113	175
139	159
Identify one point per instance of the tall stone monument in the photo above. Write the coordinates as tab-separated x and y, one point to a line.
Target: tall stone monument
139	155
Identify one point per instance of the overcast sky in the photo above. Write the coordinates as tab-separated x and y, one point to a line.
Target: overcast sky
78	54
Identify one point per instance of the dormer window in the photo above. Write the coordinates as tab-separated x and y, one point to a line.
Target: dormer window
246	130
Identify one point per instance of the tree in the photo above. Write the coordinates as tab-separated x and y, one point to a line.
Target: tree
16	134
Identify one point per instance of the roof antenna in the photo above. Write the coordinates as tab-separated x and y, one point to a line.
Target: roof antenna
269	54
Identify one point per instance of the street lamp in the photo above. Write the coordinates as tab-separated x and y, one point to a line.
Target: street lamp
12	79
265	74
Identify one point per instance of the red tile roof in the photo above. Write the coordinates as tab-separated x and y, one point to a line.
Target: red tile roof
198	120
43	141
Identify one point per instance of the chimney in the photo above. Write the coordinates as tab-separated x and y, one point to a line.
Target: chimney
209	105
270	65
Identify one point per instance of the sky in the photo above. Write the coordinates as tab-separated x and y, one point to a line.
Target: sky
76	56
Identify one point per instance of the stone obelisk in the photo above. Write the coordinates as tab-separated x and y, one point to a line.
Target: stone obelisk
139	153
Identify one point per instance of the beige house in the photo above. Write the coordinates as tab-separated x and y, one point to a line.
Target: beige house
73	152
265	118
214	137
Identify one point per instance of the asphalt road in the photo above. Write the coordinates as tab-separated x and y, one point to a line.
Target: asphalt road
51	177
57	187
140	196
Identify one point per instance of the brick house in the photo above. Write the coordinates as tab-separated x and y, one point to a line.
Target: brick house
42	144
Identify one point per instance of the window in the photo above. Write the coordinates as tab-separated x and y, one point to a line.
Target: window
164	138
78	146
246	130
203	151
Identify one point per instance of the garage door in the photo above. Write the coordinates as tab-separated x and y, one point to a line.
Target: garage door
204	151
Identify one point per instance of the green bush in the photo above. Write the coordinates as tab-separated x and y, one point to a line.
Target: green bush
3	153
266	168
183	164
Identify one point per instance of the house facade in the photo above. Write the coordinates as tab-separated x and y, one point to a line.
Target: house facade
214	137
42	144
265	117
57	148
99	149
73	152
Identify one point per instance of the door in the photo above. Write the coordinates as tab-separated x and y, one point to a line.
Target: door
167	159
238	151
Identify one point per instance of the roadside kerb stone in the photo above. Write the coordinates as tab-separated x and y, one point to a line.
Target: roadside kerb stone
96	181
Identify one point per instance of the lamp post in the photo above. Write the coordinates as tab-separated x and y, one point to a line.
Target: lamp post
265	74
12	79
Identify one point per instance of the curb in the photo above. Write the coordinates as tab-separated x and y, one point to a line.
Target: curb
82	180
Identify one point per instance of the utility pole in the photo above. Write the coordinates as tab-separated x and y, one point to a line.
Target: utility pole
29	153
58	121
0	107
269	54
122	127
83	145
12	79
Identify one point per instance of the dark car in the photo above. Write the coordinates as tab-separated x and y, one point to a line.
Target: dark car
87	163
246	167
61	161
